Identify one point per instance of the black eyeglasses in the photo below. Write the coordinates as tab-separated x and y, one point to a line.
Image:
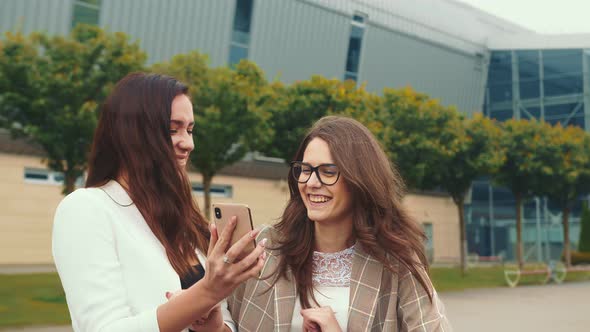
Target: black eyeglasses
328	174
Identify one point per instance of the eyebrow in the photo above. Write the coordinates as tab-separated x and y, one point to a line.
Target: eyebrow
180	122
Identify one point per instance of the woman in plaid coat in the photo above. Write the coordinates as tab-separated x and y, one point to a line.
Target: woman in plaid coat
345	256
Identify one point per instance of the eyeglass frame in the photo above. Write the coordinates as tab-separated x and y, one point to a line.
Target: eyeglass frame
314	170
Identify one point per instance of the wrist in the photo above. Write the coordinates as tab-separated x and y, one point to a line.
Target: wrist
205	293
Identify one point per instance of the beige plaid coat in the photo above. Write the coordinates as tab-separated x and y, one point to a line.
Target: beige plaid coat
379	301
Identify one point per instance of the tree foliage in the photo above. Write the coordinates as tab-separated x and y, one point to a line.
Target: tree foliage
51	88
230	111
527	146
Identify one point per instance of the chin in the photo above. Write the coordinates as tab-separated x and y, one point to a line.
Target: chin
314	216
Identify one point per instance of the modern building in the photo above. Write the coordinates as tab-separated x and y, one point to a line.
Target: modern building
445	48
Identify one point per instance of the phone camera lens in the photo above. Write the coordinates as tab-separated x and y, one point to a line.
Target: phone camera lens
218	213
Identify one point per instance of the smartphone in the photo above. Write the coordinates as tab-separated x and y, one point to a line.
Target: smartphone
223	213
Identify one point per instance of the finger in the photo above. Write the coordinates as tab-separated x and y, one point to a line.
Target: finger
310	325
247	240
213	238
253	271
249	260
307	327
225	236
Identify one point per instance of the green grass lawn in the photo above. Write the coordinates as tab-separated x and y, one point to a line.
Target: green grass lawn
450	279
38	299
32	299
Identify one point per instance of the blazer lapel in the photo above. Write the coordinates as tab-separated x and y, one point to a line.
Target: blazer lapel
365	285
285	296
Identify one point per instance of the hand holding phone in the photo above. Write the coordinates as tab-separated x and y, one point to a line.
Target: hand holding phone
223	212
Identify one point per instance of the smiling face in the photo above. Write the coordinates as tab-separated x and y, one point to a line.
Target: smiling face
182	122
324	204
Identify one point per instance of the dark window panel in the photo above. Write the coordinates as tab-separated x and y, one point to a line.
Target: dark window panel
243	15
501	115
84	14
354	49
529	89
535	112
563	85
237	53
528	65
500	92
559	62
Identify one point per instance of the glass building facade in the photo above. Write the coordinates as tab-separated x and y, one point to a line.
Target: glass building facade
552	85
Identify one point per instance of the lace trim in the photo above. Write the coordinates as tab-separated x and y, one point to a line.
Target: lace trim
332	269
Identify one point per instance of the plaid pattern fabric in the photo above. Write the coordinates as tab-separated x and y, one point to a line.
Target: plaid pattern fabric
379	301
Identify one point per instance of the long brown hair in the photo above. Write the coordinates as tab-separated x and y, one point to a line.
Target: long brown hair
380	222
133	138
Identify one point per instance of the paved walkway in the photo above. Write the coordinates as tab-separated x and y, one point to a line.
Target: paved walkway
27	268
39	329
546	308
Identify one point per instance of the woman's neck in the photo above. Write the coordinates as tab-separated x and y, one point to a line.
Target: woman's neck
333	237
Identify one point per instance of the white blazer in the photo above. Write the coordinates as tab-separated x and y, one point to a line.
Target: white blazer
114	271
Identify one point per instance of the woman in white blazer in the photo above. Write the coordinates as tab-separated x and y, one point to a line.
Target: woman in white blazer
134	234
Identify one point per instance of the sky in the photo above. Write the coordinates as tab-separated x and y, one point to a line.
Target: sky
542	16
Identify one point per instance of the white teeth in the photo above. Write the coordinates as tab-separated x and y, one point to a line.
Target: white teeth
318	199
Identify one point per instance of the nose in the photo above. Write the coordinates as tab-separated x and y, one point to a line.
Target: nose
314	181
186	143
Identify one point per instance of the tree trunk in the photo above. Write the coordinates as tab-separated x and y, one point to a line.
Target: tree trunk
459	200
69	183
207	193
566	236
463	237
519	248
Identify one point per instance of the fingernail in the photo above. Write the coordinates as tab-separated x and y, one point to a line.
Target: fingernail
253	233
263	255
167	294
233	220
263	242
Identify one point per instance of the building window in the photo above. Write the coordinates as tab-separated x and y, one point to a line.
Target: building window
45	176
240	37
85	11
353	56
216	190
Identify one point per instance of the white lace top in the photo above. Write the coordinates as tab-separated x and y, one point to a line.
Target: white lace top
331	279
332	269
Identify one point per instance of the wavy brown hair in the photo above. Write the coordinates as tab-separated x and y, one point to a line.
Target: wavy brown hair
381	224
133	139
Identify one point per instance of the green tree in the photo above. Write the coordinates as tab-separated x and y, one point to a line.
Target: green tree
302	103
584	244
565	174
51	87
230	112
527	148
420	136
477	154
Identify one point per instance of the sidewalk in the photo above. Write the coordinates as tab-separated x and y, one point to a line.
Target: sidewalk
65	328
546	308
